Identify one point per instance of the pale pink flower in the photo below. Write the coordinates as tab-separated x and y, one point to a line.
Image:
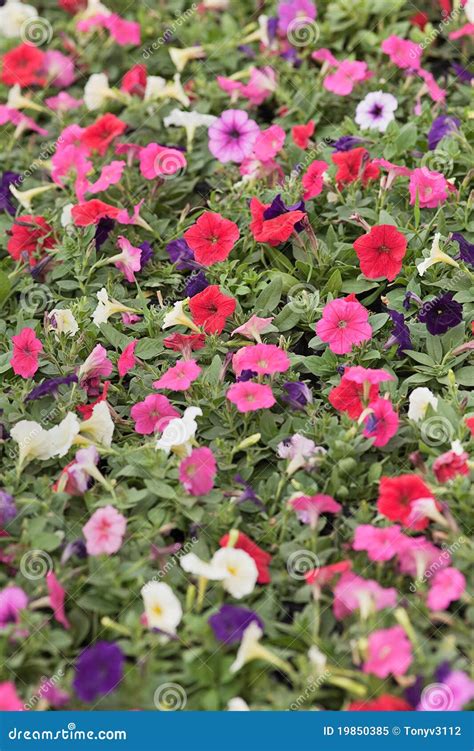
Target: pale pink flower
432	188
129	260
403	53
197	471
268	143
93	367
261	84
127	359
417	556
263	359
380	543
104	531
309	508
344	324
252	328
382	422
56	599
63	102
352	593
153	414
447	586
249	396
389	653
179	377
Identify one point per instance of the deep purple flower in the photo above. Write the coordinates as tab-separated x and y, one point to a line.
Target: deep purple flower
232	136
346	143
272	27
99	670
441	314
196	283
248	495
103	230
147	254
440	127
298	395
466	249
413	692
463	74
6	197
231	621
8	509
400	333
50	386
409	296
442	671
247	50
278	207
76	547
181	255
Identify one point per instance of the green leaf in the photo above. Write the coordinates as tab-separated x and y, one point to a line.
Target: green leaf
269	298
147	348
465	376
5	286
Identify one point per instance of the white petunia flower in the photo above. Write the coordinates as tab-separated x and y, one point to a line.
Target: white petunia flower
419	399
162	608
375	112
12	17
180	56
107	308
189	121
234	567
99	428
62	436
32	441
237	704
436	256
249	647
158	88
192	564
97	91
179	433
62	321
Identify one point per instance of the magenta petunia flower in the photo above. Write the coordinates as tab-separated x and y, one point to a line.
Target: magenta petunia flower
344	324
382	422
389	652
446	586
432	188
153	414
26	349
380	543
295	10
232	136
180	377
127	359
353	593
263	359
308	508
197	471
249	396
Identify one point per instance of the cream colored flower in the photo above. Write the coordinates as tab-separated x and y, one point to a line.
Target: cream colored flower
62	321
419	401
107	308
32	441
189	121
180	56
62	436
12	17
99	428
97	91
436	256
240	571
157	88
162	608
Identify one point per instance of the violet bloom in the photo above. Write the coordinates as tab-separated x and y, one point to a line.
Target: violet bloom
103	230
232	136
50	386
346	143
8	509
400	333
181	255
293	13
441	314
230	622
298	395
248	495
376	111
6	197
466	249
74	548
441	127
278	207
99	670
12	601
147	254
463	74
195	284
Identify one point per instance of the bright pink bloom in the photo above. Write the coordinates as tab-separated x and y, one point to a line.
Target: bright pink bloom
343	325
249	396
212	238
403	53
312	179
302	133
352	593
464	31
380	543
12	601
56	598
153	414
417	556
432	188
9	699
129	260
156	161
59	69
372	376
389	652
197	471
26	348
261	85
446	587
179	377
104	531
127	359
12	115
382	422
263	359
347	75
110	174
309	508
436	92
124	32
451	464
268	143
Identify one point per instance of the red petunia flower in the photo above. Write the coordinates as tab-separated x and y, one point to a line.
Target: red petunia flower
87	409
419	19
73	6
90	212
99	135
211	308
272	231
397	496
384	703
450	465
325	574
302	133
23	65
261	557
26	349
354	165
212	238
185	343
348	395
31	235
470	424
134	80
381	252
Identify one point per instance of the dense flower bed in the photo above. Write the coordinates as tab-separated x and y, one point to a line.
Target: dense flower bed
237	410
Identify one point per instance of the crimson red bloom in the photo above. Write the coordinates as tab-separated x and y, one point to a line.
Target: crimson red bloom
325	574
384	703
72	6
396	498
134	80
302	133
212	238
211	308
31	235
261	557
420	19
87	409
347	397
272	231
99	135
354	165
91	212
23	65
470	424
381	252
450	464
185	343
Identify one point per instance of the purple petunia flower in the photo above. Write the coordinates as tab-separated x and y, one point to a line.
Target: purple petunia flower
400	333
441	127
294	12
409	296
441	314
346	143
103	230
246	375
231	621
50	386
278	207
248	495
181	255
77	548
196	283
147	254
298	395
232	136
6	197
463	74
466	249
99	670
8	509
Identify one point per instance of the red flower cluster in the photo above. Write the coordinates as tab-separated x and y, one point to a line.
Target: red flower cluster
272	231
23	65
261	557
348	397
354	165
99	135
301	134
212	238
30	235
381	252
396	498
211	308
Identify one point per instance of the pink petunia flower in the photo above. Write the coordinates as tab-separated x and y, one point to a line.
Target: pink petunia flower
372	376
382	422
179	377
249	396
353	593
129	260
389	652
153	414
403	53
309	508
127	359
158	161
122	31
347	75
432	188
380	543
93	368
261	84
416	556
9	699
12	601
26	348
447	586
104	531
268	143
312	179
197	471
344	324
263	359
56	598
63	102
110	174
